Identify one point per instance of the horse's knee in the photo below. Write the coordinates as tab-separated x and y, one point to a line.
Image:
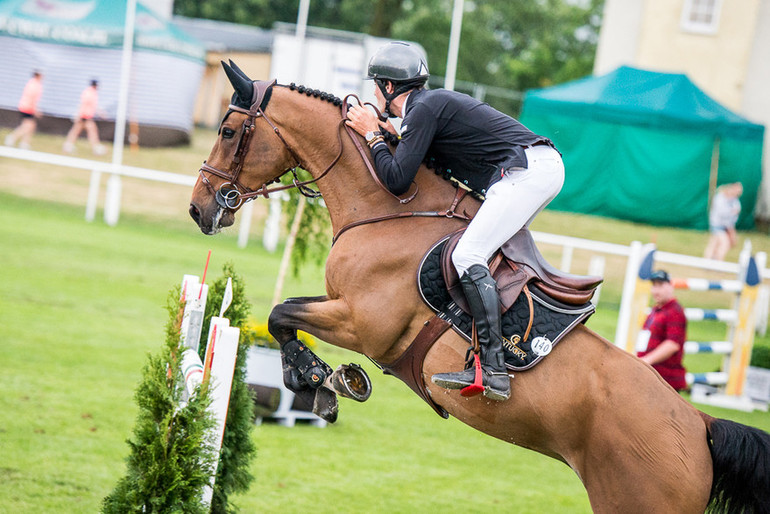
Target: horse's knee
277	326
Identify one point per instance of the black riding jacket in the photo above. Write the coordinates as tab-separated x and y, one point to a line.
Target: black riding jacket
467	138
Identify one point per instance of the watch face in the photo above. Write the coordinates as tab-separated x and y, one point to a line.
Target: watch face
369	135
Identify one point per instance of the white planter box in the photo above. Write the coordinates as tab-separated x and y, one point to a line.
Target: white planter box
757	384
263	367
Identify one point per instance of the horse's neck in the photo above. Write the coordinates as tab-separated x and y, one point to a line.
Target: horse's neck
312	127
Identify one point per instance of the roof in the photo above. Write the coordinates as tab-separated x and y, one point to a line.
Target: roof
221	36
93	23
640	97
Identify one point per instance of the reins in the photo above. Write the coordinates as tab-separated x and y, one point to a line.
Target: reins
449	213
233	197
357	142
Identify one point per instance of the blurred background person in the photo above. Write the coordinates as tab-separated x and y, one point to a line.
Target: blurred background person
89	103
665	330
30	97
725	208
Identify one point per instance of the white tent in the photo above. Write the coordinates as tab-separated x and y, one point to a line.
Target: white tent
75	41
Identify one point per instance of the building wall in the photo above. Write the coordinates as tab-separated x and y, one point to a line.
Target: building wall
732	65
717	63
619	35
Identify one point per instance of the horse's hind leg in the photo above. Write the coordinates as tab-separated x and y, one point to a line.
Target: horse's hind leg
304	373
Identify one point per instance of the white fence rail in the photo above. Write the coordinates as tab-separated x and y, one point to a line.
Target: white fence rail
97	168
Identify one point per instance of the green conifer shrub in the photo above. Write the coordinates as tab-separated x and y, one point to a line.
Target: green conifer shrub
171	457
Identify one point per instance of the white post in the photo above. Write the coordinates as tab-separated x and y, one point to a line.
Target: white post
125	76
273	223
194	296
284	269
596	268
219	367
93	194
120	118
629	284
245	226
566	258
304	7
112	200
454	45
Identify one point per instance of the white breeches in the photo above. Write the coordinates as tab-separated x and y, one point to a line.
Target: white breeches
511	203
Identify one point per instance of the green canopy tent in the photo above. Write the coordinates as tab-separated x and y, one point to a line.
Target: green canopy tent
647	147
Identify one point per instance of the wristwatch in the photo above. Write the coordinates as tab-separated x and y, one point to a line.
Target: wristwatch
371	135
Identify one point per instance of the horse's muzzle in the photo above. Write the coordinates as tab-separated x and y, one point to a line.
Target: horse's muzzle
209	225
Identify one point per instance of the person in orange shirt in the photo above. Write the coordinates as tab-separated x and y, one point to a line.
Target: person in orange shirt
29	113
89	101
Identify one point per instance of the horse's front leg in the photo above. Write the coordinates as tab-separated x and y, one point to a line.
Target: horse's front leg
304	372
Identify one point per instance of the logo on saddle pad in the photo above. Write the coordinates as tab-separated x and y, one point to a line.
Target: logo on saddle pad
541	346
512	345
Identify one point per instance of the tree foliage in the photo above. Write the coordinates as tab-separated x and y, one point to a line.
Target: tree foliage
314	235
515	45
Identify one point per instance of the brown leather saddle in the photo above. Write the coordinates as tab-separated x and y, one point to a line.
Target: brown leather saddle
516	264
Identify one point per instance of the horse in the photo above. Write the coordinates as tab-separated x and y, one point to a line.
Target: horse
634	442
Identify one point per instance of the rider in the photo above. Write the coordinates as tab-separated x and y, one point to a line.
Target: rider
517	171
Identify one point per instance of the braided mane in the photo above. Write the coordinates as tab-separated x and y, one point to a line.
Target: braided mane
327	97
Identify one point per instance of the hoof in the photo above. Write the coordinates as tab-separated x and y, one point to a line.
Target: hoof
325	404
350	381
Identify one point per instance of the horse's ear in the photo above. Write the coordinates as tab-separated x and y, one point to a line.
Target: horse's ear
242	85
238	70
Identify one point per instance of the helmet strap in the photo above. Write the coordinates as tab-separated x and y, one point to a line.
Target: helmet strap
398	89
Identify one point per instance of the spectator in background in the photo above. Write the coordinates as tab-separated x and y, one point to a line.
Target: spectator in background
89	102
29	113
665	331
725	208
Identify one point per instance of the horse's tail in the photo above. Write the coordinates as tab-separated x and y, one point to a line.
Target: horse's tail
741	460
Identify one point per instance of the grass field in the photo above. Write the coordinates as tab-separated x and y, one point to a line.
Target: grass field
82	304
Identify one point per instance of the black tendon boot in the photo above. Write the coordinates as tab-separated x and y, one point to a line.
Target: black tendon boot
481	291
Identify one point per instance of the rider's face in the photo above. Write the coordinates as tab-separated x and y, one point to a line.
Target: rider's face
380	98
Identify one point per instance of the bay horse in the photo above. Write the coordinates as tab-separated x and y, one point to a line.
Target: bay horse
636	445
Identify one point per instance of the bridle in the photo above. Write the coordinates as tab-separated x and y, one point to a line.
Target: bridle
233	193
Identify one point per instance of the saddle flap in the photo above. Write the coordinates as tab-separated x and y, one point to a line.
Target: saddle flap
518	263
510	278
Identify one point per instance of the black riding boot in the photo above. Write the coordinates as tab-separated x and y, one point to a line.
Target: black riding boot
481	291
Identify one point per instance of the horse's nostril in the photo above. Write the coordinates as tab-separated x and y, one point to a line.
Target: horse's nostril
195	213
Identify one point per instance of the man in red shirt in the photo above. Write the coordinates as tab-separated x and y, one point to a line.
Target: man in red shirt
665	330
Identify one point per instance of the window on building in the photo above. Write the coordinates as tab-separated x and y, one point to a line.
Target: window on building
701	16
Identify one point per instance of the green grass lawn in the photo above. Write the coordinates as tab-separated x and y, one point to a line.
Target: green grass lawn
81	305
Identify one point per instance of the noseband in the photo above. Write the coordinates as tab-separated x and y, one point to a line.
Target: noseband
233	193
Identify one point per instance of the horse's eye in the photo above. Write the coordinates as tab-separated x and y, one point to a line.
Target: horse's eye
228	133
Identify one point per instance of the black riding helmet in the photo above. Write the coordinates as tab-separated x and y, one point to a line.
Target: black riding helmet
401	64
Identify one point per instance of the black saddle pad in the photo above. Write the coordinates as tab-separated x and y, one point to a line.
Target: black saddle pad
552	319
